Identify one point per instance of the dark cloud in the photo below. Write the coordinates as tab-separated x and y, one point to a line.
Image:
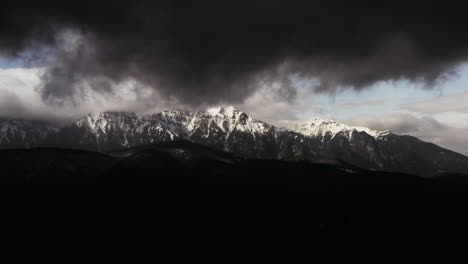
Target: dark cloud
212	51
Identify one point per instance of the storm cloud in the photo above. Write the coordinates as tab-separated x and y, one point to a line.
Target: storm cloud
207	52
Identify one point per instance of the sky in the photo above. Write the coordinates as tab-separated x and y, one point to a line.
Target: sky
385	65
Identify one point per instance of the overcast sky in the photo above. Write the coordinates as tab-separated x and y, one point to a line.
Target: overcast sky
381	64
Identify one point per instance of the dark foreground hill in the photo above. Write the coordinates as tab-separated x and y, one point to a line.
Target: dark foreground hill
181	192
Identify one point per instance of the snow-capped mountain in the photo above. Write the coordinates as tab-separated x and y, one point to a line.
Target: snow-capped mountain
318	127
223	128
20	133
234	131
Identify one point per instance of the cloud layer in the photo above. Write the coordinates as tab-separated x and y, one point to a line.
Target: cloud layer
206	52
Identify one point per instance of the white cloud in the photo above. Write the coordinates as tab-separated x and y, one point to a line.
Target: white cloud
266	105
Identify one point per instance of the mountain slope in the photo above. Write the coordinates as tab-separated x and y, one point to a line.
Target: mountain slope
20	133
108	131
231	130
387	152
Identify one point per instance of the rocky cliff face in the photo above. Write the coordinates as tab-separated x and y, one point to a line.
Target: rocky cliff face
234	131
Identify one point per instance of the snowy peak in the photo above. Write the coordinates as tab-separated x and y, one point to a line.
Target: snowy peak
105	121
318	127
174	122
226	118
230	119
229	112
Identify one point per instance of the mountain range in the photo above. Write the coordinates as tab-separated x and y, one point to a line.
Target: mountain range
231	130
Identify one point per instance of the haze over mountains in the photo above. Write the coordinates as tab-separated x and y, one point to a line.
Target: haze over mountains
234	131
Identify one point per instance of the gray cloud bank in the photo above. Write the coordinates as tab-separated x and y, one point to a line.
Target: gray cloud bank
206	52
